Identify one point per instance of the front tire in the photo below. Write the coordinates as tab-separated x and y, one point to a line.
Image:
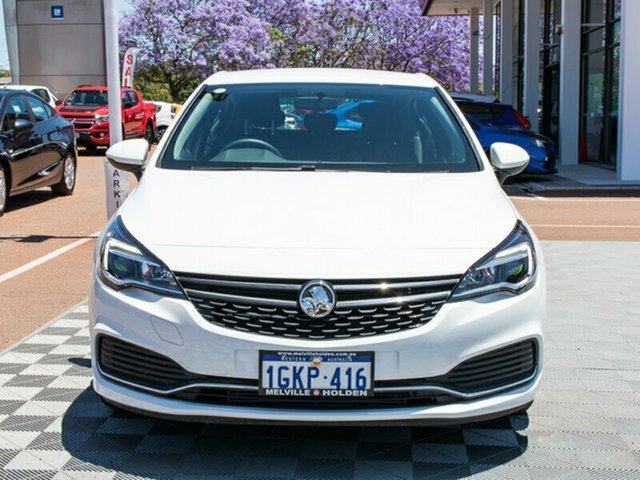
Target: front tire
160	132
4	190
68	181
149	134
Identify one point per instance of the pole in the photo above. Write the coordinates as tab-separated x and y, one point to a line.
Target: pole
117	181
475	49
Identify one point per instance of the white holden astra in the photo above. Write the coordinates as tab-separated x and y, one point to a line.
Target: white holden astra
318	246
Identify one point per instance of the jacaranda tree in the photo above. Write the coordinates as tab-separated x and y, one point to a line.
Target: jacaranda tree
183	41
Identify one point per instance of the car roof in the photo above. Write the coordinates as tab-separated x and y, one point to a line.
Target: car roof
473	97
475	102
23	87
93	88
322	75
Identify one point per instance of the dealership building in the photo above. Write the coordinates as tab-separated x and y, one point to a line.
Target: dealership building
568	65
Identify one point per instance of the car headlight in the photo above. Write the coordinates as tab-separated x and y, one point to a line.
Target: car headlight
510	267
102	118
538	142
125	263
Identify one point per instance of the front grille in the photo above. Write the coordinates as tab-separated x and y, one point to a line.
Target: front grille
81	123
244	398
138	365
495	369
498	369
363	307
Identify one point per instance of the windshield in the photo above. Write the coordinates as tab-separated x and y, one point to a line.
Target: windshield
320	126
492	114
86	98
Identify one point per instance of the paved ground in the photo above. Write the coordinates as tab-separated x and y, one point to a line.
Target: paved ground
585	423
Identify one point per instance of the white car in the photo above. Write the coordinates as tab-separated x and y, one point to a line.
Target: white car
316	275
41	91
165	113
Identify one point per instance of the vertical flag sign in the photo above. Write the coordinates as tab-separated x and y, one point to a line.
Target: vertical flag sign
129	66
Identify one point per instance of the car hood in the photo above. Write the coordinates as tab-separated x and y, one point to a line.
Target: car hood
85	110
318	224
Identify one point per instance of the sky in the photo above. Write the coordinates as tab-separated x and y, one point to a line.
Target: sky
123	6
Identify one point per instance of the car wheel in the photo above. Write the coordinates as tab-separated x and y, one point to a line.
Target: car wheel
4	190
149	134
160	132
68	181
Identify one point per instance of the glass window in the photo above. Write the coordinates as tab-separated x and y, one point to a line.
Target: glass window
42	93
595	12
496	115
16	109
320	126
600	78
86	98
41	111
131	97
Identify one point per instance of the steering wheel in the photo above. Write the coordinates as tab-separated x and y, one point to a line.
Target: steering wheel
252	142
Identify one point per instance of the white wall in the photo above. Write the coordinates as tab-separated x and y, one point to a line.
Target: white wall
628	167
569	108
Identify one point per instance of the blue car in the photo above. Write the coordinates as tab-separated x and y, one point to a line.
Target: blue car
497	122
348	117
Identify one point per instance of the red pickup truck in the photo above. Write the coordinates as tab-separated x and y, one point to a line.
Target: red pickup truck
86	107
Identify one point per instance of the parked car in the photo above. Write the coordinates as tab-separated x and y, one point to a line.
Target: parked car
37	147
41	91
266	274
497	122
87	108
165	113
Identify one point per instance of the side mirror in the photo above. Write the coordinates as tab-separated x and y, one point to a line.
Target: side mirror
130	155
21	126
508	160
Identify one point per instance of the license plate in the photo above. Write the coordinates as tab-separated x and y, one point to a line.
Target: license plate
316	374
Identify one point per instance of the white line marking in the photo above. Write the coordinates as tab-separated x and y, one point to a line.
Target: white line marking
583	226
39	261
578	200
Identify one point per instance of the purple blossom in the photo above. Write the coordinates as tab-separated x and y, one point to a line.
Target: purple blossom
183	41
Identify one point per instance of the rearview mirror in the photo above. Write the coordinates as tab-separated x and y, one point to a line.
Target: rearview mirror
21	125
508	160
130	155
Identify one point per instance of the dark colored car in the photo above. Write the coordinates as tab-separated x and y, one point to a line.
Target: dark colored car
498	122
37	147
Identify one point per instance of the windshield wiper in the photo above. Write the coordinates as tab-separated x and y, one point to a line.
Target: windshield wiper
300	168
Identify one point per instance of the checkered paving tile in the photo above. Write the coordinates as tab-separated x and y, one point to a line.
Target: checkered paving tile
584	424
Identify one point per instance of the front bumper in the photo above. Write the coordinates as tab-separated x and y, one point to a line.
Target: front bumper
460	331
98	138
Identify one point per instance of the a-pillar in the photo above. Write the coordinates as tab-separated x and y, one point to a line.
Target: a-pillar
506	51
569	108
475	49
532	61
628	167
487	47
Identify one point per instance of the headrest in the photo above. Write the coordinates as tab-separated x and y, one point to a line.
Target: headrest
320	123
262	111
377	117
